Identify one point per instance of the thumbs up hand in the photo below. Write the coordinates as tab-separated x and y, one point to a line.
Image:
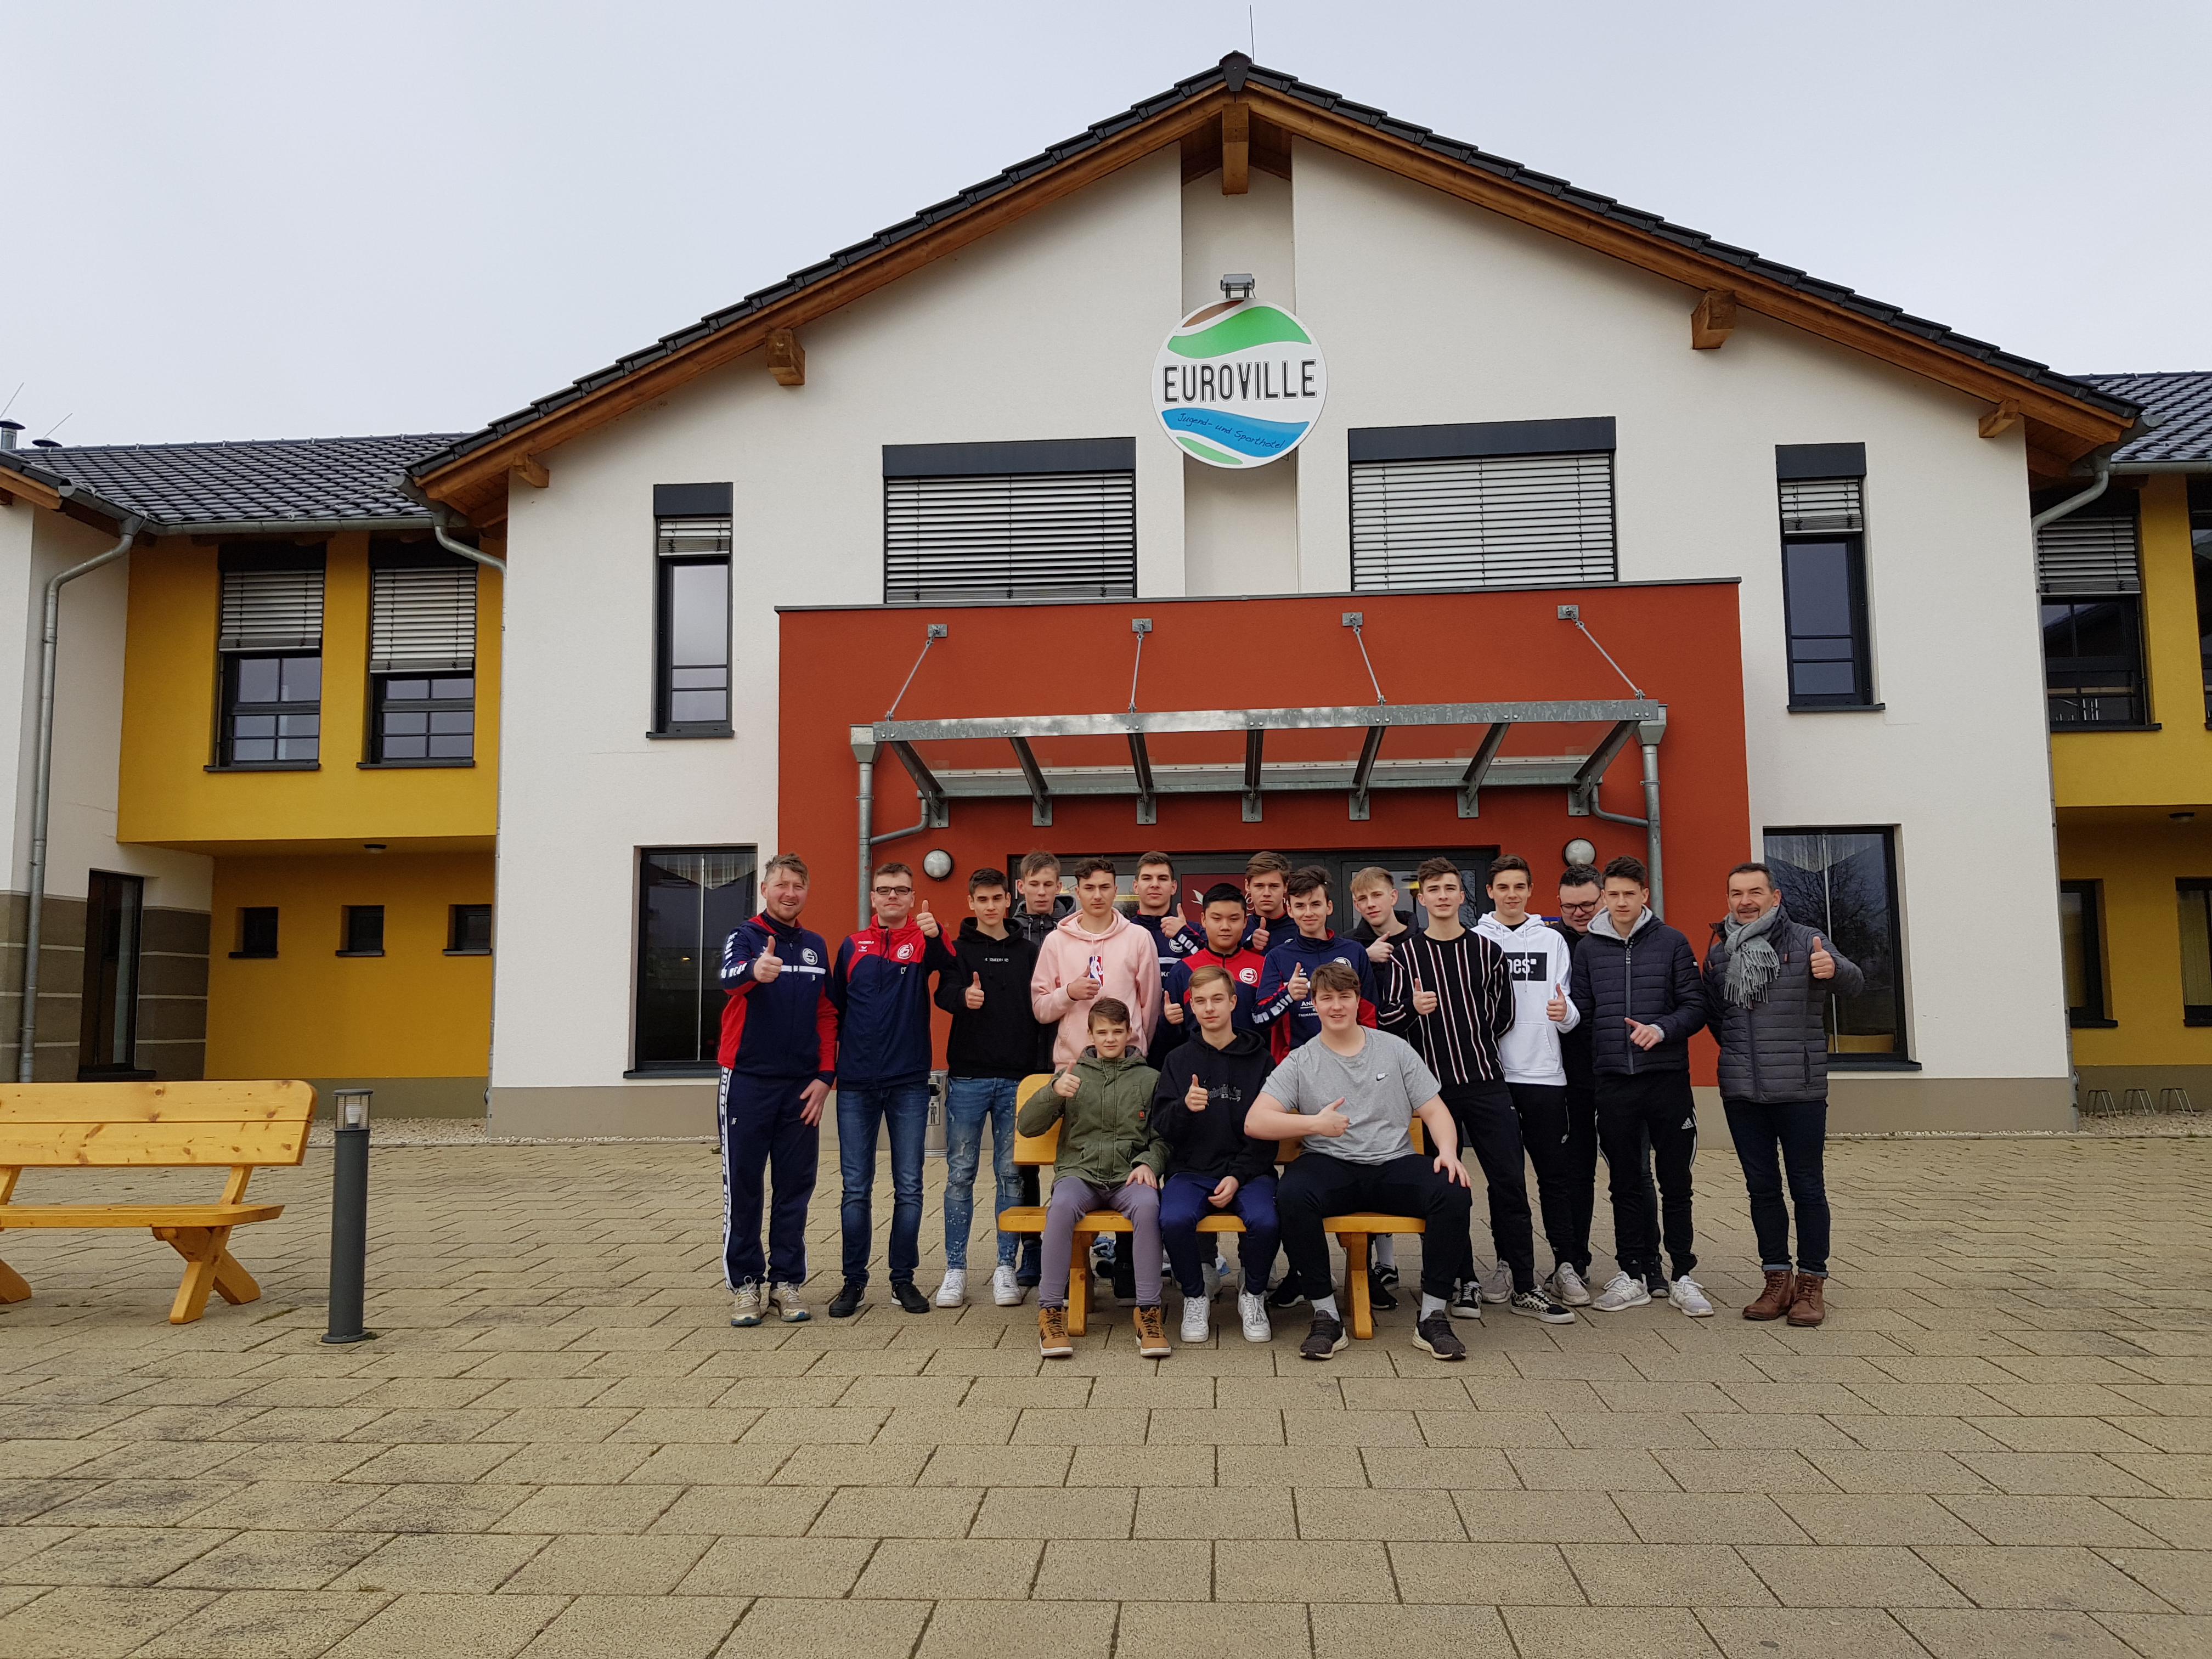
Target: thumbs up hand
974	994
1196	1096
1824	965
767	965
1174	1010
926	922
1381	950
1066	1085
1556	1009
1425	1002
1299	986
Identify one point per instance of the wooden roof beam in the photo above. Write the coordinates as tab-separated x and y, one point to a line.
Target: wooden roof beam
1713	321
1236	150
786	358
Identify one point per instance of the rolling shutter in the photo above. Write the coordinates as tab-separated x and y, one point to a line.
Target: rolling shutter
271	610
692	536
1010	535
1487	521
423	619
2087	556
1814	505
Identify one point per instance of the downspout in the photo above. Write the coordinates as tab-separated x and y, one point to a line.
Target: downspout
2104	481
42	791
438	521
864	751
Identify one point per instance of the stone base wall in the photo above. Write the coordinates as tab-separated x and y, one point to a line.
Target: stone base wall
173	989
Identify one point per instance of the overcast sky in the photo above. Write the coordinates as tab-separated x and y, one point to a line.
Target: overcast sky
243	221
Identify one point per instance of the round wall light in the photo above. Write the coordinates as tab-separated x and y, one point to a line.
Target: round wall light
1578	851
937	863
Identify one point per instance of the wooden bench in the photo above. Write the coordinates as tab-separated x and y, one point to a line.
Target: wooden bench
1354	1232
243	1125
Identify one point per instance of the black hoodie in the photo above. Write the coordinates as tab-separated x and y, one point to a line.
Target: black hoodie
1001	1038
1214	1142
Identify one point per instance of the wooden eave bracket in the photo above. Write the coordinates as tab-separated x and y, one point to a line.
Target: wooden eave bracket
1236	150
786	358
1713	321
528	470
2002	419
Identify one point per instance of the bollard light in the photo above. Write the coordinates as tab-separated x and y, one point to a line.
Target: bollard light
350	1215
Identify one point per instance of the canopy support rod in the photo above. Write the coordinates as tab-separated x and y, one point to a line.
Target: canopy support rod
1355	620
1139	626
1470	786
935	632
1040	791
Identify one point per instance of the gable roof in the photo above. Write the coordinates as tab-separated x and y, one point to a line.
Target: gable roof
241	488
2181	403
2066	417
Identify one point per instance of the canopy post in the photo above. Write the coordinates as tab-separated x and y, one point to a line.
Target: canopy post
1648	732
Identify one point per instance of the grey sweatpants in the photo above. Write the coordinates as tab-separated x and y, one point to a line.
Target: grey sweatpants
1072	1199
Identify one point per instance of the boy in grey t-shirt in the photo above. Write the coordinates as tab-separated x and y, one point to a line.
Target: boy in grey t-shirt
1351	1095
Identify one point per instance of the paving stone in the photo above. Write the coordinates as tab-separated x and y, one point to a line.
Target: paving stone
457	1562
451	1626
2002	1634
989	1630
1176	1632
265	1624
1659	1575
1849	1575
88	1622
2056	1577
1607	1634
1477	1574
1796	1633
275	1561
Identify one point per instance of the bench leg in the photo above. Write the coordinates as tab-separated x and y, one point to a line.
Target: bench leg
1355	1284
13	1286
1078	1283
233	1283
202	1249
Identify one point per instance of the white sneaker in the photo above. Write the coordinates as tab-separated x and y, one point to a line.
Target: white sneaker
1465	1301
1622	1291
1004	1291
745	1304
954	1291
1690	1297
1498	1281
1252	1310
784	1298
1193	1319
1567	1285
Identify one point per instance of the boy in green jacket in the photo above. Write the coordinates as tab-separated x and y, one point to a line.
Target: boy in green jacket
1110	1158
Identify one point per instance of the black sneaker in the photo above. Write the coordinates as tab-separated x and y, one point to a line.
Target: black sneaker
1465	1301
1435	1335
1387	1273
1378	1289
904	1293
1535	1304
1286	1294
1326	1338
1124	1288
846	1302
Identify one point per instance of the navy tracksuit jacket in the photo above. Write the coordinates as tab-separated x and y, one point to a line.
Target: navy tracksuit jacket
880	986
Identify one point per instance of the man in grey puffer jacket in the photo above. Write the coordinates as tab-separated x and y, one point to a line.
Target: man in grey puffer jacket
1767	981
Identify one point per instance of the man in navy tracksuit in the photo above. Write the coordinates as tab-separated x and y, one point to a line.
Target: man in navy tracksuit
779	1057
880	986
1284	1004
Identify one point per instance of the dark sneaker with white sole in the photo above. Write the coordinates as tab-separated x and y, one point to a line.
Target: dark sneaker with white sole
1535	1304
1379	1290
1286	1294
1435	1335
1325	1340
846	1302
904	1293
1465	1300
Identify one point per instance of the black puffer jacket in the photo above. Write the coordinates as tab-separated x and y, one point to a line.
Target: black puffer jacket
1777	1049
1651	976
1575	1045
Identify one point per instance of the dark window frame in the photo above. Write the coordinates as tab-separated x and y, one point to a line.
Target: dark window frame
704	1019
2200	541
2095	1013
1853	544
353	930
459	930
665	667
2080	672
2200	888
1900	1056
382	703
107	1029
248	945
232	668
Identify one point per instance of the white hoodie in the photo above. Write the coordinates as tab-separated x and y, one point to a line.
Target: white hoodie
1536	959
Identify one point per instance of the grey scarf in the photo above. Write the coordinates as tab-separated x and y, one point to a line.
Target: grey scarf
1752	962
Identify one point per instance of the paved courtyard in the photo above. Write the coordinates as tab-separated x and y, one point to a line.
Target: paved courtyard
2001	1444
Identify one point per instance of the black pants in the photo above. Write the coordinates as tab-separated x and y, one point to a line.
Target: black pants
1767	1137
1659	1105
1488	1123
1548	1131
1315	1186
1582	1171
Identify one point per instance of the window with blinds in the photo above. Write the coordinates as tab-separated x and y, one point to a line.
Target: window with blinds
423	619
1483	521
1010	535
269	642
1814	506
271	610
692	625
1823	589
2087	556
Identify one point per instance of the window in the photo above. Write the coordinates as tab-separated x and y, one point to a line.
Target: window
689	901
468	931
1824	591
2082	946
1842	884
421	656
108	1035
271	645
1046	520
364	931
694	625
2195	897
1494	504
256	931
2090	577
2200	541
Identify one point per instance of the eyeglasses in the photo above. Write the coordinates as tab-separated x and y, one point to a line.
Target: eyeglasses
892	892
1569	909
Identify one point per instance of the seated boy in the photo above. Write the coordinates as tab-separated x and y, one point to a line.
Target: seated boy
1352	1093
1110	1158
1205	1088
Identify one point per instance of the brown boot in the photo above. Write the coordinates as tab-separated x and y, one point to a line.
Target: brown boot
1052	1334
1774	1301
1151	1335
1808	1308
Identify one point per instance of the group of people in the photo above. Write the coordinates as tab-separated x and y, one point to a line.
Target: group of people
1263	1066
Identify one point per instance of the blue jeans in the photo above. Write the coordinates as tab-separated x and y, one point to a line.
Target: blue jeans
968	1101
1184	1203
1766	1138
905	1109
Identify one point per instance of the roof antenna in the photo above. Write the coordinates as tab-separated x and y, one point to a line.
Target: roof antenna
1573	613
936	632
12	396
58	425
1251	36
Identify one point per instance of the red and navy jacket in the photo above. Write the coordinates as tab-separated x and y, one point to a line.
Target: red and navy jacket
785	1029
880	986
1292	1022
1172	947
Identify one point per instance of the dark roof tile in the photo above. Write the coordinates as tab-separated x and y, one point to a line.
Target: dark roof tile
303	478
2181	400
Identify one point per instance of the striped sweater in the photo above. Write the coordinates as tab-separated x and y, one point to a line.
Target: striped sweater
1475	1004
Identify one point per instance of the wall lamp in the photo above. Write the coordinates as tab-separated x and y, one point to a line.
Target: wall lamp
1237	285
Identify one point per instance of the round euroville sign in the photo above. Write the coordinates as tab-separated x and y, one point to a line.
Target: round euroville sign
1239	384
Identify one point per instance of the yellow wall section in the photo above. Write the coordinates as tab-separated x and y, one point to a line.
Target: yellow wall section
168	797
2174	765
413	1012
2138	858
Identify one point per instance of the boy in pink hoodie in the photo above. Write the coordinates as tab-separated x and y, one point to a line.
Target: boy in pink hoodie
1095	951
